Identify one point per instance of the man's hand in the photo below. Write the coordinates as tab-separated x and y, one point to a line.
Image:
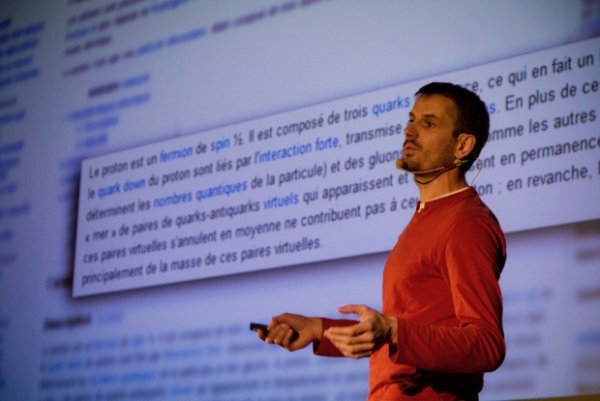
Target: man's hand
292	332
362	339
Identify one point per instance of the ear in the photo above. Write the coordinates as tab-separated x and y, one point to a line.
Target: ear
464	145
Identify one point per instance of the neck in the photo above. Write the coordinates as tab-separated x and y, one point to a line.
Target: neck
446	183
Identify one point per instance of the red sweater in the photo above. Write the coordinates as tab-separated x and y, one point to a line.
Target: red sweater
441	282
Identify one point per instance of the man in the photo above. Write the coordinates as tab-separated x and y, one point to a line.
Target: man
441	324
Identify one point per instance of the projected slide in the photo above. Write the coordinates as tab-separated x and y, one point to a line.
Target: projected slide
171	170
319	183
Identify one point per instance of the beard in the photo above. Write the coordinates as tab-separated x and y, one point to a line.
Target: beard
417	161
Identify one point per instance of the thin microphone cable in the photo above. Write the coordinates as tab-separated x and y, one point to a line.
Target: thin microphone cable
479	169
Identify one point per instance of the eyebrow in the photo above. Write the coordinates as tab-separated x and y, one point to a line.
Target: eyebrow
427	115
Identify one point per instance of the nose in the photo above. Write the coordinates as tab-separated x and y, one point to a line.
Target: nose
410	131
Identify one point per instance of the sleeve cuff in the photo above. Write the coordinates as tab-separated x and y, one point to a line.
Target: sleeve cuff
324	347
394	349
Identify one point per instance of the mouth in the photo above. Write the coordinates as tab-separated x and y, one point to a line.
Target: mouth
409	147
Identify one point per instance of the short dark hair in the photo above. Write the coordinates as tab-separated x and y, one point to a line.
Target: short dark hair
472	118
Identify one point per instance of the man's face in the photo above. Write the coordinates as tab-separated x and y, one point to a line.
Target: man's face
429	142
